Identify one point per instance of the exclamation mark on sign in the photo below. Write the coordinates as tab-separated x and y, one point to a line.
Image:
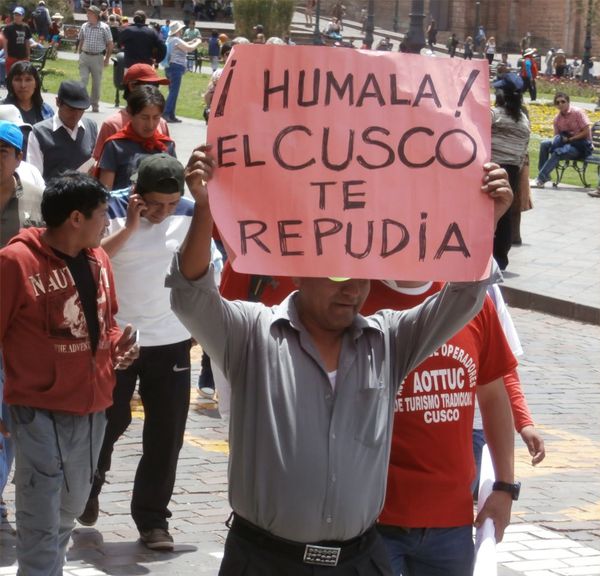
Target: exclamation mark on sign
472	76
223	99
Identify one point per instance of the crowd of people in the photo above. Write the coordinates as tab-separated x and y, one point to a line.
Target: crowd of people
331	462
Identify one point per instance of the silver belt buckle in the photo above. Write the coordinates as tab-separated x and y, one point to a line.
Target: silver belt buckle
321	555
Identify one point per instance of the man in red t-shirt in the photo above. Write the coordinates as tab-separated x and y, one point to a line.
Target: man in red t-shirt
428	513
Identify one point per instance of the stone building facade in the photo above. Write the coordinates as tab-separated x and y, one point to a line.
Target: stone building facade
557	23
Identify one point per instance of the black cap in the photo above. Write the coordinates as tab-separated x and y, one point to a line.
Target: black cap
159	173
73	94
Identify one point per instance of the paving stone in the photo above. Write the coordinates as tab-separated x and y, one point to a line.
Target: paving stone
546	553
524	565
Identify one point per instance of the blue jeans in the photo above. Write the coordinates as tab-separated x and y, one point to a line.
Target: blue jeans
430	551
478	444
174	73
6	444
553	151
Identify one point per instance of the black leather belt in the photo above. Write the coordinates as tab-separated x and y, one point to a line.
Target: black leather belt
92	53
326	553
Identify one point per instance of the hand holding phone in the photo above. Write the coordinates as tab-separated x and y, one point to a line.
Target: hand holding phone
136	208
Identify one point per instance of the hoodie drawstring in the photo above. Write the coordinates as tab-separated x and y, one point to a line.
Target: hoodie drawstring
60	456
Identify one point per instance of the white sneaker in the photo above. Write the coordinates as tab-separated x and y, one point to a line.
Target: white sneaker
206	392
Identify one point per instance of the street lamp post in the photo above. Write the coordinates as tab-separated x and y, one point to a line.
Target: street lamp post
415	38
396	8
370	25
477	21
587	46
477	14
317	34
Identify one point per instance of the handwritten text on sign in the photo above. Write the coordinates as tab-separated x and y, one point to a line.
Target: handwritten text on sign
339	162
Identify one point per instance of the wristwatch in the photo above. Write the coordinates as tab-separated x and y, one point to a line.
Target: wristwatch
513	489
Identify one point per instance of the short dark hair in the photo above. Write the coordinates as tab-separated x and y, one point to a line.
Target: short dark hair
69	192
562	95
142	96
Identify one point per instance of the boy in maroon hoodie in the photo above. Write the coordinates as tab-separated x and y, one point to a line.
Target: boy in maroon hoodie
60	344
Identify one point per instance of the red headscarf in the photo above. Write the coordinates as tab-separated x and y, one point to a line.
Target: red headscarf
157	143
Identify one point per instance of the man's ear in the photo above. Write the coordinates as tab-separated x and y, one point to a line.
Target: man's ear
76	218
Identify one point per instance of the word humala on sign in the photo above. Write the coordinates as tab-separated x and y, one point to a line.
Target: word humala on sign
351	163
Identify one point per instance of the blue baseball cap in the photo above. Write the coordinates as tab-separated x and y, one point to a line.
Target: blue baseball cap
11	134
19	10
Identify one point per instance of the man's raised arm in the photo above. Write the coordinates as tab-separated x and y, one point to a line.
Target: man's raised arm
195	255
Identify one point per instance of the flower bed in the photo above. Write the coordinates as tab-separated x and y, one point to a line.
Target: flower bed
574	88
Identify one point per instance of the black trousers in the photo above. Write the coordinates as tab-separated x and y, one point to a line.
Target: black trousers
164	387
245	558
530	86
503	235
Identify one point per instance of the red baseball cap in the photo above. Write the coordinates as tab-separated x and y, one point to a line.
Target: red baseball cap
143	73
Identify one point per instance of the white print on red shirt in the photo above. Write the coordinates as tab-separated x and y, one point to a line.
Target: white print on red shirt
441	394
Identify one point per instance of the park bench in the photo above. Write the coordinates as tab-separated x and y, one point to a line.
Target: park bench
194	61
70	35
38	59
580	166
306	36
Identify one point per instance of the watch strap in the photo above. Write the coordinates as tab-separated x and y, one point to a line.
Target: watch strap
513	489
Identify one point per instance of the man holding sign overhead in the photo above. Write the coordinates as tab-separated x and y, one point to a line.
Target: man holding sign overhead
313	385
313	389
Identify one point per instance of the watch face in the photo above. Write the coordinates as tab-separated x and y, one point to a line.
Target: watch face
516	490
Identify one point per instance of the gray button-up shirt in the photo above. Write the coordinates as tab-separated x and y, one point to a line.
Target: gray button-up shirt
308	463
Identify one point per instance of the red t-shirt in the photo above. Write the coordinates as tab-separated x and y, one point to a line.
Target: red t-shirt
431	462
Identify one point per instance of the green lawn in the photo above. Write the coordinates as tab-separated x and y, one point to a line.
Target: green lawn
190	103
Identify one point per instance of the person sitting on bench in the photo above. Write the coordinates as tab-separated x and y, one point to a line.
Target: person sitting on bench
572	138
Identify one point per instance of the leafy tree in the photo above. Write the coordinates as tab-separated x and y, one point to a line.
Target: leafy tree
274	15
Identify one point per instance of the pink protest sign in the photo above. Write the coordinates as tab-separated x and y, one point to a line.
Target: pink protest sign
341	162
